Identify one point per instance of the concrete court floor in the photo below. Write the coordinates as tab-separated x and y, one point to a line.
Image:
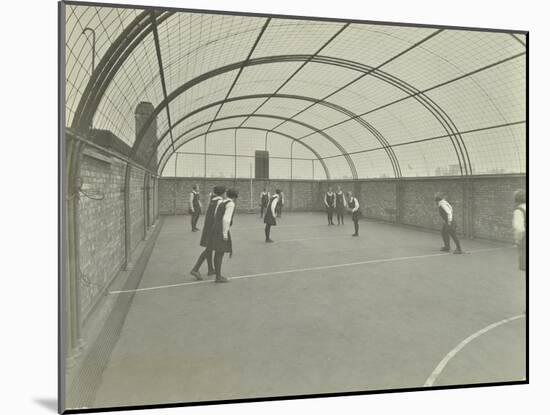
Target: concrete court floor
362	327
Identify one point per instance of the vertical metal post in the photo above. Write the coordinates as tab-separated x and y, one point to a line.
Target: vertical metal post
205	137
235	161
251	190
127	221
72	287
145	204
175	185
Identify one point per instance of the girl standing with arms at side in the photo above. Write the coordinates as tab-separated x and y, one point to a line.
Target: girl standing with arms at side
341	205
271	214
221	235
353	207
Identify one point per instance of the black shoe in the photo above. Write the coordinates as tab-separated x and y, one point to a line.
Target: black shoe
458	251
444	249
269	240
210	273
221	279
196	274
355	234
193	230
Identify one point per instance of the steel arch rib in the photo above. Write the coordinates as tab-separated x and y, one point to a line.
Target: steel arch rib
351	165
293	58
109	65
383	142
141	27
165	156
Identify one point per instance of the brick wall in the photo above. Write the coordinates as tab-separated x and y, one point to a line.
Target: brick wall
482	205
492	205
174	193
137	214
379	199
102	223
417	206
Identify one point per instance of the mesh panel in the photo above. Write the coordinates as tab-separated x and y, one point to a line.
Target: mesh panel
474	80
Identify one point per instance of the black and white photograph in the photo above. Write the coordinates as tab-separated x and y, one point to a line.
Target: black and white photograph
260	206
239	207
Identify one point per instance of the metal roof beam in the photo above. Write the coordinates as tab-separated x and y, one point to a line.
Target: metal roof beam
334	36
161	72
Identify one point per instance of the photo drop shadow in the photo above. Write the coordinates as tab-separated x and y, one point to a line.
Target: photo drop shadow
48	403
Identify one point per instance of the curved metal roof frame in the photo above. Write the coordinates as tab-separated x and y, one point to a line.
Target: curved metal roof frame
381	139
349	161
147	22
165	156
438	113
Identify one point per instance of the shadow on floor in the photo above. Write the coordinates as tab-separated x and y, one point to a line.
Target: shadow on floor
48	403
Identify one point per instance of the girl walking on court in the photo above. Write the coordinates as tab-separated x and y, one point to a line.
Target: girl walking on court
271	214
264	200
353	207
341	205
195	207
330	203
206	240
449	224
221	235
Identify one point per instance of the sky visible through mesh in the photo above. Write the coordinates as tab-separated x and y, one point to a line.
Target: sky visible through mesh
356	98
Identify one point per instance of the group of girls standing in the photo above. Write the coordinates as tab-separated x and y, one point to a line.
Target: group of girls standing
339	203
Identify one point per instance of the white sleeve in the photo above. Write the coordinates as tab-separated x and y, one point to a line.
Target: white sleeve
273	206
356	208
345	202
518	225
448	209
325	199
229	208
191	201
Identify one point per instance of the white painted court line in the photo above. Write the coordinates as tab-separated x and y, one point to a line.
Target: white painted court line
291	271
260	226
439	368
313	239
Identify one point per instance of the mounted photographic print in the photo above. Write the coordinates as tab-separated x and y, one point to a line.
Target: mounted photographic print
262	206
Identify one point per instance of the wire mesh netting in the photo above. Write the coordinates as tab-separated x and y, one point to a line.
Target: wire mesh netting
324	98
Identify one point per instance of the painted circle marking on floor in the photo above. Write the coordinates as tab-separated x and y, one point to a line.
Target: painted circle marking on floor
441	366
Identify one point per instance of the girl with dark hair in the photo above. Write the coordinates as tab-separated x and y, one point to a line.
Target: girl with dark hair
448	230
195	207
264	200
341	205
353	207
330	203
221	235
206	240
271	214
